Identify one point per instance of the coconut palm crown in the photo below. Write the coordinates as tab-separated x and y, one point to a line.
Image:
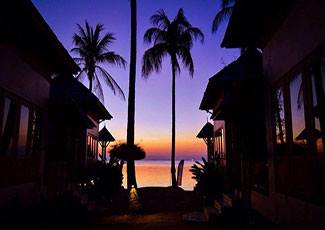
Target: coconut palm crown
93	53
174	39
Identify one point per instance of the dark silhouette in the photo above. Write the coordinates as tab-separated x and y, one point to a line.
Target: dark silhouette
92	51
209	178
131	178
125	152
227	6
206	133
104	138
173	38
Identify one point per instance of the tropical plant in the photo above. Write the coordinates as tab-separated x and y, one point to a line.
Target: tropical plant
131	179
227	6
93	53
126	152
102	179
174	38
209	178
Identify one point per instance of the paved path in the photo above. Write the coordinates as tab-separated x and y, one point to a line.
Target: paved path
162	208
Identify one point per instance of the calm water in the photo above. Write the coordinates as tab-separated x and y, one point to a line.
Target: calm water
157	173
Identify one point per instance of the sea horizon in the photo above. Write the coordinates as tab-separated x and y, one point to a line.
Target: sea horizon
156	173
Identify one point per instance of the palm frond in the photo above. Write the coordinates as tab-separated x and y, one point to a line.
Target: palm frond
180	19
186	57
160	19
195	34
152	59
225	3
112	58
109	80
153	34
106	40
222	15
99	28
99	89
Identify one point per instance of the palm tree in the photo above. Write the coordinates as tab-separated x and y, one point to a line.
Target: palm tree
92	51
227	6
173	38
131	179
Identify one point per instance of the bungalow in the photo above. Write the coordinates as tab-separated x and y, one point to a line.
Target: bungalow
34	145
288	184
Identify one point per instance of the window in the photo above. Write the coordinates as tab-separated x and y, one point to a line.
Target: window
280	127
20	128
9	126
318	91
35	131
92	146
23	130
299	133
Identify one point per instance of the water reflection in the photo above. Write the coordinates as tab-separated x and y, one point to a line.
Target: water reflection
157	173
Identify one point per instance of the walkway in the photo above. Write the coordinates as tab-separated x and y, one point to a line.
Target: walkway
162	208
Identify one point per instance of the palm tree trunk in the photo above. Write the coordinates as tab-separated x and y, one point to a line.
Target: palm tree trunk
90	82
131	179
173	169
90	74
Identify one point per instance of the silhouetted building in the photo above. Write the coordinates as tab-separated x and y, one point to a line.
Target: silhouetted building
39	133
285	183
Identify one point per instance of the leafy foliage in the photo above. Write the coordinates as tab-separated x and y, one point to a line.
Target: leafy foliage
103	179
174	38
226	9
209	178
92	51
125	152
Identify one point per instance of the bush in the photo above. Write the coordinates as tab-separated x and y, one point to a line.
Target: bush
209	178
103	179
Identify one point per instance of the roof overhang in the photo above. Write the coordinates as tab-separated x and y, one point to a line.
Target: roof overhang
247	66
23	28
253	22
67	90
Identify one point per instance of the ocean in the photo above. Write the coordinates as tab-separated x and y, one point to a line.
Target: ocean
157	173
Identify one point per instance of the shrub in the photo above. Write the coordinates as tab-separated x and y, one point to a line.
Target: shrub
209	178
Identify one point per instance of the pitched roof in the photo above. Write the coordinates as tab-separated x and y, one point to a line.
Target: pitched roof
105	135
23	28
253	22
67	90
248	65
206	131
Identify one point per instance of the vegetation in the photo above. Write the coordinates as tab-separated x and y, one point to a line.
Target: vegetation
209	178
102	180
174	38
224	13
92	51
126	152
131	100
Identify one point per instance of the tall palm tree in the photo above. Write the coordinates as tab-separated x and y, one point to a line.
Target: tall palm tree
131	178
93	53
224	13
174	38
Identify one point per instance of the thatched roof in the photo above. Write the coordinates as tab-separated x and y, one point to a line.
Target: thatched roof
105	135
247	66
206	131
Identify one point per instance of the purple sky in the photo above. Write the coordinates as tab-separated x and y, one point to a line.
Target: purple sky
153	96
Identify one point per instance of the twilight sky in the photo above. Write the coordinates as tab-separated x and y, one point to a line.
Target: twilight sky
153	96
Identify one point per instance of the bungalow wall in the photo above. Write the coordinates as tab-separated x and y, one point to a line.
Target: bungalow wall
296	181
21	168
